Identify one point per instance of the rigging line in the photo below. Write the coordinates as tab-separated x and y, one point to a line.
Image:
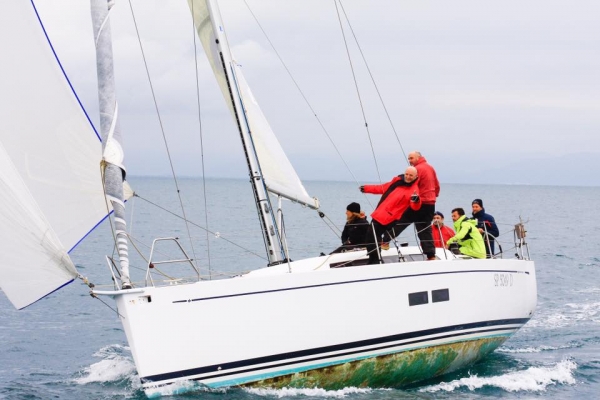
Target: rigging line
330	224
201	140
304	97
373	80
162	128
201	227
357	90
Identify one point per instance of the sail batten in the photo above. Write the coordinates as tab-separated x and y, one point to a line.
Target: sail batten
51	192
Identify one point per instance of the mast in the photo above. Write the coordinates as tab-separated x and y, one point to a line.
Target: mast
270	231
112	151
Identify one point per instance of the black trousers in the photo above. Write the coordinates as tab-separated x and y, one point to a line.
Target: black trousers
422	219
374	234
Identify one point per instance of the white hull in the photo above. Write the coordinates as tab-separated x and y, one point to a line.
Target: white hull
276	328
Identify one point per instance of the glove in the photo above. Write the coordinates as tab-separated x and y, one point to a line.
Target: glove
414	198
361	188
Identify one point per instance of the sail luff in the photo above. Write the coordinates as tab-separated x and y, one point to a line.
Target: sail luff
50	187
209	26
114	171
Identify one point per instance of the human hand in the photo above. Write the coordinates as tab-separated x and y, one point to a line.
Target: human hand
361	188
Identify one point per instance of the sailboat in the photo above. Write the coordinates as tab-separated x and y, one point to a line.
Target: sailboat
419	319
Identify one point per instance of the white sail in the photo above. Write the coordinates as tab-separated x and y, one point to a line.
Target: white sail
51	193
279	175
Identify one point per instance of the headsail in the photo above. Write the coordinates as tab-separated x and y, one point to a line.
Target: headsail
50	189
279	175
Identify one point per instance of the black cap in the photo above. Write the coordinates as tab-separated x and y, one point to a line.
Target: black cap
353	207
478	201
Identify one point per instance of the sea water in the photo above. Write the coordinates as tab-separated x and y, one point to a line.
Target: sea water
71	346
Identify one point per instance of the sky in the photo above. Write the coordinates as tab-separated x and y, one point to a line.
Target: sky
504	92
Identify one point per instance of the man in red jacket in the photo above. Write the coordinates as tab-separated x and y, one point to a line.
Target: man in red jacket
441	232
429	188
398	195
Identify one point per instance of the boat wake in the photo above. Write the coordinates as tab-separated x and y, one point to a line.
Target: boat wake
533	379
537	349
114	367
315	392
570	314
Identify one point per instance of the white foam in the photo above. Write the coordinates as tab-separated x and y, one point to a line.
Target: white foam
114	367
533	379
538	349
180	387
316	392
571	314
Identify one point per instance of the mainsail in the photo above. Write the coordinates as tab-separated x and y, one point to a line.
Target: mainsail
279	175
50	188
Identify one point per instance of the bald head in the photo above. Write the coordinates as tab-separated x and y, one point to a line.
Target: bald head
413	157
410	174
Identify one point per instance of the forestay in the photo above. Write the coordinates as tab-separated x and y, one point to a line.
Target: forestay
50	186
278	173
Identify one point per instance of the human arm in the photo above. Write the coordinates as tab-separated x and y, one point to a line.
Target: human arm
462	232
488	224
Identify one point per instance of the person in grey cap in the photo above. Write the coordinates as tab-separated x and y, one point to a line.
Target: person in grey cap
486	225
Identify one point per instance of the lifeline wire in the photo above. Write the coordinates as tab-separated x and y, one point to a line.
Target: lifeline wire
201	227
162	129
201	140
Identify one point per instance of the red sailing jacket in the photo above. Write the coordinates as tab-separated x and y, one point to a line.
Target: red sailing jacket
429	185
396	202
447	233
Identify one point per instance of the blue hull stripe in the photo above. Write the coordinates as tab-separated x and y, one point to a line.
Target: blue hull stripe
350	348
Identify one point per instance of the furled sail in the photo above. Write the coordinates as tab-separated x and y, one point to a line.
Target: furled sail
50	187
279	175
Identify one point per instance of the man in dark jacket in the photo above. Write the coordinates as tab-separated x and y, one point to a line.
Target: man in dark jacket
398	195
486	225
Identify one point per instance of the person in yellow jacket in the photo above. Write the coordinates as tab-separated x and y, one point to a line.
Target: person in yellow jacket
467	236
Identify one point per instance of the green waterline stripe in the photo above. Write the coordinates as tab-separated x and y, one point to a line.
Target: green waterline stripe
239	381
262	376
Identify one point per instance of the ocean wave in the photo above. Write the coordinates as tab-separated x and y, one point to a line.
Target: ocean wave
114	367
316	392
537	349
588	290
570	314
181	387
533	379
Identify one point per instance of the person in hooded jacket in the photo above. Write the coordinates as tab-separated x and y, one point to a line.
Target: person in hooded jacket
398	195
486	225
355	230
467	236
